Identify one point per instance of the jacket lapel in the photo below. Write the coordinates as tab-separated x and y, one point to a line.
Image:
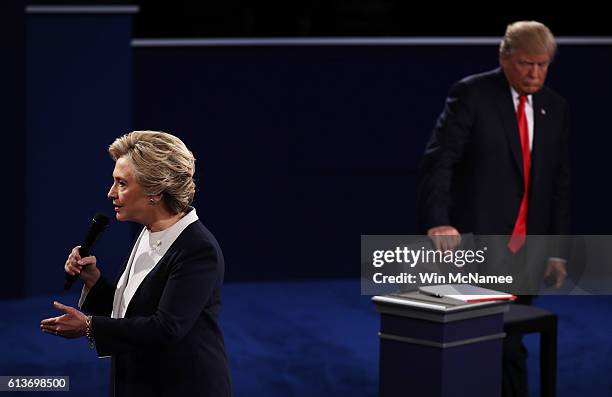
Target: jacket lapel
127	260
160	264
508	117
176	245
540	129
122	277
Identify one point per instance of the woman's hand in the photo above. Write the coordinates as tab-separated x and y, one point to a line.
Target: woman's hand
71	324
85	268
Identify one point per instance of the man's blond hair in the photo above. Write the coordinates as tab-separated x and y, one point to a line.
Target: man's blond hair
530	36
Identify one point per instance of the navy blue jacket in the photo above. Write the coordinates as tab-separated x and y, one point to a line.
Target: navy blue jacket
471	174
169	343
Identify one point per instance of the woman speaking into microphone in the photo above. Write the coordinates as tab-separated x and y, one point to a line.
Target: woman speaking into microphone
159	321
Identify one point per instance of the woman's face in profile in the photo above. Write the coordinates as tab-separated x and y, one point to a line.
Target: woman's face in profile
129	199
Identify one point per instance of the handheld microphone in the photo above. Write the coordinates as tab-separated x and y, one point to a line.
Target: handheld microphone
98	224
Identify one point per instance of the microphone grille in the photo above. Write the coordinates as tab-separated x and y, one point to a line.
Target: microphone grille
101	219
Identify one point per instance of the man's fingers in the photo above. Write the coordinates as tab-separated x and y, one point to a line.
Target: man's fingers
548	271
457	240
444	243
452	242
559	280
444	238
449	243
437	242
562	275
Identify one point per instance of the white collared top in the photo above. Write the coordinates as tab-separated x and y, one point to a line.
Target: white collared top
148	250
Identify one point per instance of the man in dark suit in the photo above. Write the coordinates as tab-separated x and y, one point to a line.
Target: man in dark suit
497	162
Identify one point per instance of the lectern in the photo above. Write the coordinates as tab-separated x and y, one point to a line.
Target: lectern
439	347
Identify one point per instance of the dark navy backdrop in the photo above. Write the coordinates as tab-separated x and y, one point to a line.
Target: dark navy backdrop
302	149
12	80
78	99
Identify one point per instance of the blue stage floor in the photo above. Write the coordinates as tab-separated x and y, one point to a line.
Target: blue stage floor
311	338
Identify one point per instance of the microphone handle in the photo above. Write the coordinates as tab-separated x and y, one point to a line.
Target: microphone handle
69	281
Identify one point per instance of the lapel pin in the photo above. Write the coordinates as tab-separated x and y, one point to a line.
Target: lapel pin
543	112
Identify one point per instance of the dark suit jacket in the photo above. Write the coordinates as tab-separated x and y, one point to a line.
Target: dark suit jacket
169	343
471	174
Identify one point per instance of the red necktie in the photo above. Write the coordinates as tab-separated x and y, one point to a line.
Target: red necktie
520	225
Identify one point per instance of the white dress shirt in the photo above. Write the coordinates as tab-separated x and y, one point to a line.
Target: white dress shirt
528	112
148	250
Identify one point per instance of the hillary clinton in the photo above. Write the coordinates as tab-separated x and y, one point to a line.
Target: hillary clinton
159	319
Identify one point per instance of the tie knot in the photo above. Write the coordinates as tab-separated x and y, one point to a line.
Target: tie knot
522	100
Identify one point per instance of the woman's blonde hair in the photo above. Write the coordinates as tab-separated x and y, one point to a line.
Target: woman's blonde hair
162	165
530	36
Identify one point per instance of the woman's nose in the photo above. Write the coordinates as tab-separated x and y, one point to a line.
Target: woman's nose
111	192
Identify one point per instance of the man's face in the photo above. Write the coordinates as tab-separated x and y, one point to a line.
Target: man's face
130	201
525	71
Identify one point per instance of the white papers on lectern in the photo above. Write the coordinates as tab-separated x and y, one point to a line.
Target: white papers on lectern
466	293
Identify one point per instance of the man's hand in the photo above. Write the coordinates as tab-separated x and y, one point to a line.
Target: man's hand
71	324
556	271
444	238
